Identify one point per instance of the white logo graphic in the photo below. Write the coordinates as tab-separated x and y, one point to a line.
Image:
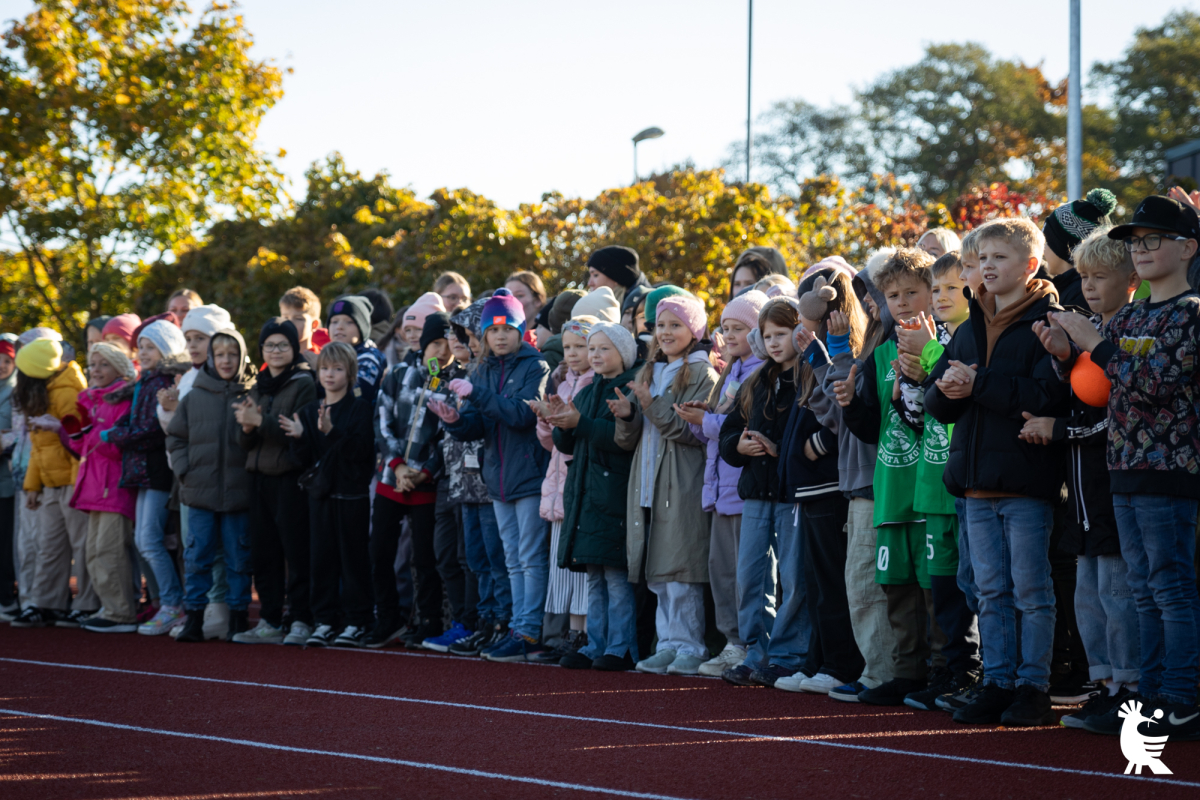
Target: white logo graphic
1141	750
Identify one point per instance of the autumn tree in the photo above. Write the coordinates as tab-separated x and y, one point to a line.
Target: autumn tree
124	132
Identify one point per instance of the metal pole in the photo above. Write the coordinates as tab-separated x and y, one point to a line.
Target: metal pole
749	66
635	172
1075	112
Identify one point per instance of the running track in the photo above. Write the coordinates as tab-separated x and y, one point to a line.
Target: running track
90	716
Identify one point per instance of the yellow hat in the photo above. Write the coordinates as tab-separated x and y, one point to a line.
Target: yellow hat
40	358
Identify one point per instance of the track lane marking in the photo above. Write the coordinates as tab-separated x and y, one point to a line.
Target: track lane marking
400	762
627	723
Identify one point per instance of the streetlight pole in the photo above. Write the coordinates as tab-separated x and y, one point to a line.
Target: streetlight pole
1075	112
749	66
641	136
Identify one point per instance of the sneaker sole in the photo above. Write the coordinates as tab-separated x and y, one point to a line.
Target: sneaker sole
158	632
395	637
1071	699
437	648
817	689
652	670
16	624
239	640
131	628
843	698
1045	720
340	643
1070	722
508	659
788	687
681	672
919	705
294	642
714	672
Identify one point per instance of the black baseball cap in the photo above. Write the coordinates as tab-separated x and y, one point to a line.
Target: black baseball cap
1161	214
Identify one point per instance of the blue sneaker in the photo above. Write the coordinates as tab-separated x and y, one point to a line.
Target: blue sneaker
516	647
847	693
441	644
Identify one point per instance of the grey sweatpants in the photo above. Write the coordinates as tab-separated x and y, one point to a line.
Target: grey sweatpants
722	573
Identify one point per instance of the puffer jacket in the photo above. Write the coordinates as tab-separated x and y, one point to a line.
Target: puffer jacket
139	435
514	462
98	484
268	449
7	485
50	463
203	441
594	514
720	478
556	475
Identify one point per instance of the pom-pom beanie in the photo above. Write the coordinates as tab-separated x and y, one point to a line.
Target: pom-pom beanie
502	309
1071	223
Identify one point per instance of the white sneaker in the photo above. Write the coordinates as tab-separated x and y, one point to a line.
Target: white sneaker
792	682
9	613
820	683
299	634
657	664
216	620
731	656
685	665
262	633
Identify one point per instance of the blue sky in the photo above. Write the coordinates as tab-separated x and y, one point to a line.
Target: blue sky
512	99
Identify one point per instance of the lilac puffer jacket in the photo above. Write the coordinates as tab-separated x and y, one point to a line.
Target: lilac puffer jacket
556	476
720	480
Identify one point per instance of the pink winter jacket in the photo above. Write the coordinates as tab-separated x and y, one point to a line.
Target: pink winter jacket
556	475
97	487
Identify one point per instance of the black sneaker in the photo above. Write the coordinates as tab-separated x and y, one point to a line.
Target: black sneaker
954	700
766	676
323	636
1100	703
34	617
1073	690
576	660
571	643
413	637
383	633
473	644
738	676
351	636
987	704
102	625
607	663
1030	709
941	681
73	619
891	693
1180	722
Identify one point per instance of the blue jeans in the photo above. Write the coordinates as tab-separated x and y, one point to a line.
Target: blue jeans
966	573
220	587
1107	616
485	558
527	553
150	522
1009	548
1158	541
233	529
772	635
612	613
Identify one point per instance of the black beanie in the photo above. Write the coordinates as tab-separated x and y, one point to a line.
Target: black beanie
543	317
617	262
564	304
1071	223
437	326
284	327
357	308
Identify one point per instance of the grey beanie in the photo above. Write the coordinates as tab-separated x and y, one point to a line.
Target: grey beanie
621	338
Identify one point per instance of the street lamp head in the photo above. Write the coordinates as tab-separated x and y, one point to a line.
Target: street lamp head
649	133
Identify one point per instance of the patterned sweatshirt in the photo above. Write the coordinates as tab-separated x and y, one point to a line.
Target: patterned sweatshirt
1149	353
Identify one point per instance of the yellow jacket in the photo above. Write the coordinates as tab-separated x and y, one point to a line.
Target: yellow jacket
50	464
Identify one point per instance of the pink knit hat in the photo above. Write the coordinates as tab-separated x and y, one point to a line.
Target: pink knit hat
832	262
745	307
689	310
428	303
122	325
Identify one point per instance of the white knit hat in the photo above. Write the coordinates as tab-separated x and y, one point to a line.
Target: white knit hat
166	337
207	320
600	303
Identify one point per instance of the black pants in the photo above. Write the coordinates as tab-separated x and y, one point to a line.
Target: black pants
961	648
1069	659
341	561
645	600
445	551
8	576
470	616
908	608
279	547
832	648
385	541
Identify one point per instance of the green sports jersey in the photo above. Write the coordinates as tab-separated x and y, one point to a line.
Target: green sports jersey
931	495
899	452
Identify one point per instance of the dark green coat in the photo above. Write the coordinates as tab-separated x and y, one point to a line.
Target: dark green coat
593	527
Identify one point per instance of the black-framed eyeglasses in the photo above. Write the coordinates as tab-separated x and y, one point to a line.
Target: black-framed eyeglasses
1151	241
276	347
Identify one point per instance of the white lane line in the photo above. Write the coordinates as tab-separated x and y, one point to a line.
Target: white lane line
474	773
627	723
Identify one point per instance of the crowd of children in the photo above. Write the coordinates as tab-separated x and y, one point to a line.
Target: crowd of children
962	478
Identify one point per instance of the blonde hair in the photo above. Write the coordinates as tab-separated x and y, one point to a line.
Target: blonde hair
447	278
1097	250
532	281
656	356
340	353
907	262
1017	231
303	298
775	279
192	296
969	246
945	237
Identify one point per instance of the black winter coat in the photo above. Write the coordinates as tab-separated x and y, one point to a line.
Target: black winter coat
800	478
770	409
348	452
986	453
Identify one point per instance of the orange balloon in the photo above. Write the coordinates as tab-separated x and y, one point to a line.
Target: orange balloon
1089	382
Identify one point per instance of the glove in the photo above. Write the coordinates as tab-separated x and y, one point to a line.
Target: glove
461	387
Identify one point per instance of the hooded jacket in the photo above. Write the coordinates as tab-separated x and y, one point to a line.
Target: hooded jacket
720	477
514	462
347	451
597	482
203	439
98	484
50	463
139	435
556	474
770	408
268	449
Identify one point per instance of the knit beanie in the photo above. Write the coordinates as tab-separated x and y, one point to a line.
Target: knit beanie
580	326
563	308
616	262
33	334
98	323
689	310
416	314
656	296
117	357
357	308
621	339
633	297
7	348
502	309
600	303
1070	223
467	320
123	325
207	319
166	316
436	326
166	337
277	325
745	307
41	358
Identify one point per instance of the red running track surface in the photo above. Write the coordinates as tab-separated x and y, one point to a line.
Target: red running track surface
93	716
